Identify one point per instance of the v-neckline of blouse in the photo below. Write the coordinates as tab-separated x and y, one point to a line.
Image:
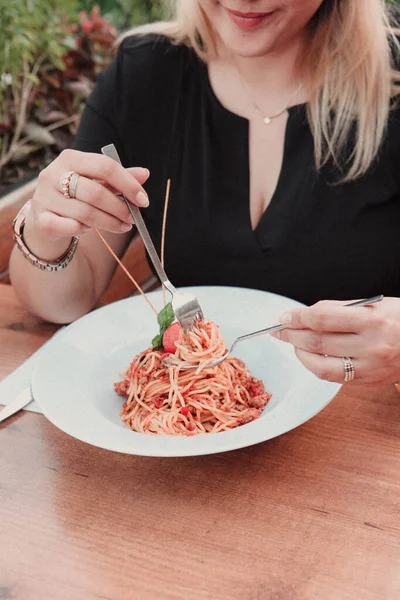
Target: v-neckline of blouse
293	111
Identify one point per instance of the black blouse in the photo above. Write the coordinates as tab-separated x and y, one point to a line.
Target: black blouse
316	239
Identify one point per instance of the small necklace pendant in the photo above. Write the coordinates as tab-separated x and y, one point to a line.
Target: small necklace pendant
267	120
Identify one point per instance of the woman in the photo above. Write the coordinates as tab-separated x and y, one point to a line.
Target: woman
274	121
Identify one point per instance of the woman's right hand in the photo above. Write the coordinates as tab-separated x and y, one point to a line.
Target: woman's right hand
53	217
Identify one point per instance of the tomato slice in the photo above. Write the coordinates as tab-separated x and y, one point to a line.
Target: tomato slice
170	337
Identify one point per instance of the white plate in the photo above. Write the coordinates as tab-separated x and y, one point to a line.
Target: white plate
73	378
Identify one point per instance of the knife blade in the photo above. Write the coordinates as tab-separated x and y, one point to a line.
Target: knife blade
17	404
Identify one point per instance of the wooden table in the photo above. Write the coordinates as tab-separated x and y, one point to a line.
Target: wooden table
313	514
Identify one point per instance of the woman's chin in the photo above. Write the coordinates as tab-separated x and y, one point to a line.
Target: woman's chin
247	46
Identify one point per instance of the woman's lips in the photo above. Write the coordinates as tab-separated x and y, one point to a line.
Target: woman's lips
248	20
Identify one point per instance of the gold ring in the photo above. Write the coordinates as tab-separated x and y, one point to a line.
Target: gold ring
348	369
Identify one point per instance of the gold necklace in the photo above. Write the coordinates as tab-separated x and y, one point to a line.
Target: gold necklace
269	118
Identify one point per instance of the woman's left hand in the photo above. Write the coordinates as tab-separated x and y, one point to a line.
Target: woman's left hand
327	331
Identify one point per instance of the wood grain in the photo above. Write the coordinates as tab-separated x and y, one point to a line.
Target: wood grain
21	334
312	515
9	207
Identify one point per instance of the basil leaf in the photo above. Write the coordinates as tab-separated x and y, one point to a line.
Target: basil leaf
156	342
166	317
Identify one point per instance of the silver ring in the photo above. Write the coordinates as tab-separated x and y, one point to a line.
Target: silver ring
73	182
65	183
349	372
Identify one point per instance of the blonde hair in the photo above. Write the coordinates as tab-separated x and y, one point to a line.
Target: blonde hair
349	67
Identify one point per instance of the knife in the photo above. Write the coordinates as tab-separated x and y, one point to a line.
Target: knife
24	398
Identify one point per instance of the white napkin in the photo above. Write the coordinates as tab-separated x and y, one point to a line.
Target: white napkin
15	383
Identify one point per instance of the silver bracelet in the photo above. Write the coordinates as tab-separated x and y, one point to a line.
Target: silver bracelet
43	265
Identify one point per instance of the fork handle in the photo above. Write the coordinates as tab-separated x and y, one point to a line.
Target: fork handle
279	327
144	233
111	152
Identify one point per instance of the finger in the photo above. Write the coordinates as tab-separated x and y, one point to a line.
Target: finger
97	166
136	172
333	344
139	173
57	226
95	194
329	316
328	368
91	216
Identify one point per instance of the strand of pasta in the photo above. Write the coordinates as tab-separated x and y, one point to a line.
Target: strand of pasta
135	283
132	279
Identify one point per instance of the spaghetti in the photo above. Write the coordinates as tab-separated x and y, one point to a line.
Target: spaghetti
164	399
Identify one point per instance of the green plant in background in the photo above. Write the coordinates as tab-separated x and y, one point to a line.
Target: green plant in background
32	32
48	64
50	51
128	13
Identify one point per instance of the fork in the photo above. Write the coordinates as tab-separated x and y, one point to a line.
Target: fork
277	327
185	305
